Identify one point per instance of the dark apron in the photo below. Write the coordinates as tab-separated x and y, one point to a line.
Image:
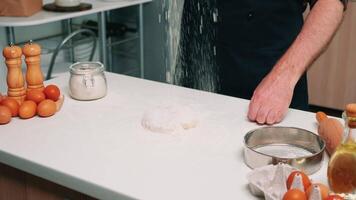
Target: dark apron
252	35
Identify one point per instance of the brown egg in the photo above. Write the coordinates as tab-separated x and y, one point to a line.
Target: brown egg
59	102
294	194
324	190
27	109
5	115
46	108
1	97
52	92
13	105
305	179
35	95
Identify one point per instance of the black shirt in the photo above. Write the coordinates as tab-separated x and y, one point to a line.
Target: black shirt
252	36
241	47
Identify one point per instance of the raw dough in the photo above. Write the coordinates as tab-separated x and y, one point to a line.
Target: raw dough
168	119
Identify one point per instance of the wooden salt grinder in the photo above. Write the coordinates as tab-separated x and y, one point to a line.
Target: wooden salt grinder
15	80
34	76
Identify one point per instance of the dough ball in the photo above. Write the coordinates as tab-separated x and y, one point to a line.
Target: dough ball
168	119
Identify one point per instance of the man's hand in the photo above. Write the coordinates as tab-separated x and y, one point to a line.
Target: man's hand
271	99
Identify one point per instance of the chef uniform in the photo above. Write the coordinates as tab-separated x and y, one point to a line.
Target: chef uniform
252	35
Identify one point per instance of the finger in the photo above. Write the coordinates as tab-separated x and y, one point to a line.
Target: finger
262	115
271	117
253	110
280	116
254	106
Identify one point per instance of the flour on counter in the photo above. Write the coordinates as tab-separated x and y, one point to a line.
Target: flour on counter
169	119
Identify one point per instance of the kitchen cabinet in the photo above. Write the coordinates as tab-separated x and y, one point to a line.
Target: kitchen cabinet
16	184
331	78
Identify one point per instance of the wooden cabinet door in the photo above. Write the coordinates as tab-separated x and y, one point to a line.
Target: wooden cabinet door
12	184
332	78
18	185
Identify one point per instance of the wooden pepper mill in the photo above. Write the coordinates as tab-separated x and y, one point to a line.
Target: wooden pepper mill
34	76
15	79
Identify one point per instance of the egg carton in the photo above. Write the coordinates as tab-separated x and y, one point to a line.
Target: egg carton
270	182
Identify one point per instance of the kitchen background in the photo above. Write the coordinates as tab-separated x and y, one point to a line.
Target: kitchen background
331	79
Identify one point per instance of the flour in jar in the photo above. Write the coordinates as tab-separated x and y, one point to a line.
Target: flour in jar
169	119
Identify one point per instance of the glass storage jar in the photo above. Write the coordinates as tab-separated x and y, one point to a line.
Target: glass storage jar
87	81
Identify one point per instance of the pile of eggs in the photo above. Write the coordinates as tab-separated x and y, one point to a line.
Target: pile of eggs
305	190
43	103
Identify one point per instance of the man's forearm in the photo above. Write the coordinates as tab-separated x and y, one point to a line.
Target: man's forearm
320	25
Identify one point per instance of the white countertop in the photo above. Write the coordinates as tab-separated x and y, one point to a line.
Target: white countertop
44	17
99	147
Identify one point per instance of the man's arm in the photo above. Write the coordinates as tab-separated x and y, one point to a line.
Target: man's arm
271	99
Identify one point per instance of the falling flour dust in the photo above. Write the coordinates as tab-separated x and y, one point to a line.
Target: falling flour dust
190	60
191	56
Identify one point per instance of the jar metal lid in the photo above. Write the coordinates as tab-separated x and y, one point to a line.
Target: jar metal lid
86	68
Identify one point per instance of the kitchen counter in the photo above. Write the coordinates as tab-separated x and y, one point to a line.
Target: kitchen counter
99	147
